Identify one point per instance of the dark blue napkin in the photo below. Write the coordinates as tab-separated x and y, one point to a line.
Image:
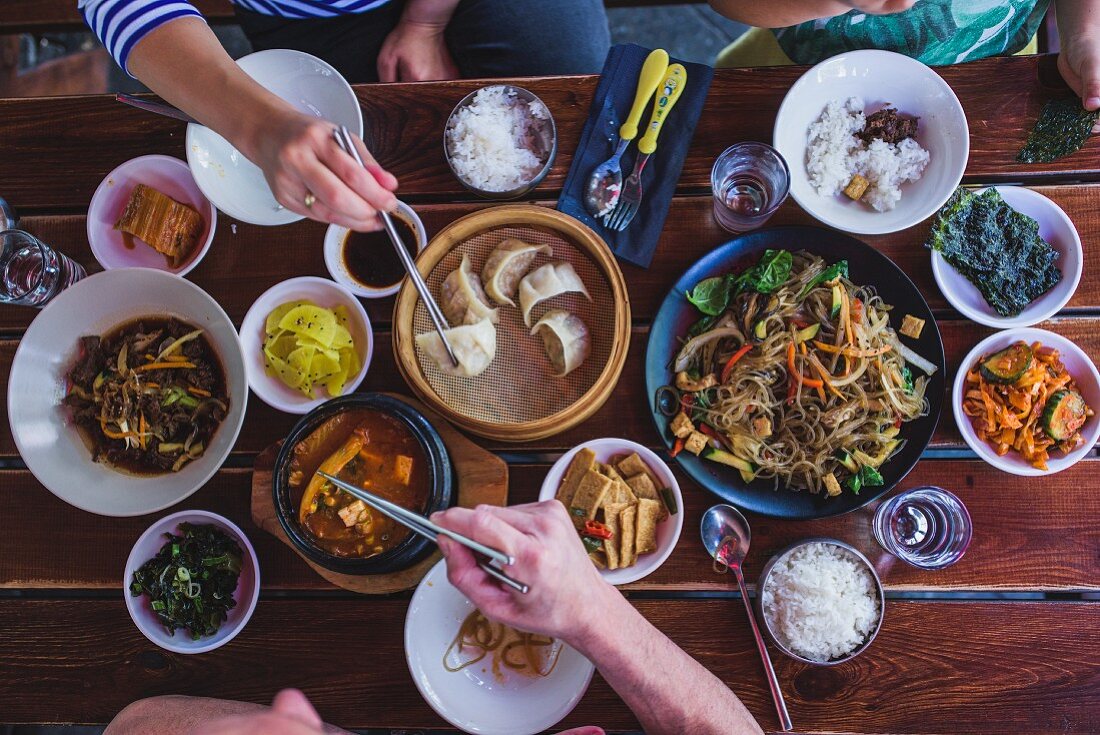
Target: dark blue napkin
610	106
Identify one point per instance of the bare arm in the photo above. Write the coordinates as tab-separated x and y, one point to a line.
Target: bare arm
666	689
184	63
782	13
290	714
1079	60
671	692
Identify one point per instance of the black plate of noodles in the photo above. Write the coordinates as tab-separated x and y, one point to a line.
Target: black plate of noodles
795	372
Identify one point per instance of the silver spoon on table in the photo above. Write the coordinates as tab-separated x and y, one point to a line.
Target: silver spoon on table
726	537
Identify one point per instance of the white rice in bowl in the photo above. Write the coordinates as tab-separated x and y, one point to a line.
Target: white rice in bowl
834	155
821	602
495	142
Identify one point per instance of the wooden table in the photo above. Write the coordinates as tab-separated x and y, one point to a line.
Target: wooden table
952	659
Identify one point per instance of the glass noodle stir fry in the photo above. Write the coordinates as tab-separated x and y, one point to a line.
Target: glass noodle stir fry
1023	399
794	374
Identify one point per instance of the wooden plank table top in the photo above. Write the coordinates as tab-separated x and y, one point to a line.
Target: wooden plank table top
957	661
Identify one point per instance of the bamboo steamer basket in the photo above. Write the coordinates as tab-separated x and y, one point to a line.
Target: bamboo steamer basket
518	398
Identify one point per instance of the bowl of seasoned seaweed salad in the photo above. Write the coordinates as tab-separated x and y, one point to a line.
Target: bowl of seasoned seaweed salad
191	582
1005	256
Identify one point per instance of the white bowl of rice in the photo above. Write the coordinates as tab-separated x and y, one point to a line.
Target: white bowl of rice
908	179
500	141
821	601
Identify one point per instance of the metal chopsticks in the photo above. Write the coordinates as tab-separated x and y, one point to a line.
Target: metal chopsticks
430	530
158	108
344	140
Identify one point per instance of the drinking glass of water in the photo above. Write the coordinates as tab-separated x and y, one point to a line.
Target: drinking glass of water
927	527
31	272
749	181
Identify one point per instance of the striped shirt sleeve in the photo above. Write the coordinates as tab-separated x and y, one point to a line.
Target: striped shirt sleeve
120	24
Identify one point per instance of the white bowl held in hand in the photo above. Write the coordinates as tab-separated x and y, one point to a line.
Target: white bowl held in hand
1057	229
880	78
473	699
1078	365
234	184
324	293
46	438
668	531
246	594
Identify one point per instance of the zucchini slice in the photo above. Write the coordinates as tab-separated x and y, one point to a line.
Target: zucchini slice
846	459
1064	414
1008	365
837	300
805	335
723	457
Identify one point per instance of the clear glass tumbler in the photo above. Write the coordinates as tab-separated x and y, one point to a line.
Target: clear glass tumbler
749	182
927	527
31	272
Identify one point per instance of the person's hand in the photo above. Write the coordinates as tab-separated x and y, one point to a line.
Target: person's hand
290	714
565	588
1079	64
303	164
415	51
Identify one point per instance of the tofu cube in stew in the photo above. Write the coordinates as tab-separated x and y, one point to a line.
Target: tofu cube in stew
681	426
696	443
351	513
402	469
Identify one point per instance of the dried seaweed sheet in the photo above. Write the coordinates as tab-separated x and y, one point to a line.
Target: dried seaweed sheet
1062	128
996	248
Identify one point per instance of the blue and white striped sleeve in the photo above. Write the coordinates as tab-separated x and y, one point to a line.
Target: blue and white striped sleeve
120	24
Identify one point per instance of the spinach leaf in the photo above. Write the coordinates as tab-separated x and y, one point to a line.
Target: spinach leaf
836	270
1062	128
711	295
996	248
866	477
769	273
907	377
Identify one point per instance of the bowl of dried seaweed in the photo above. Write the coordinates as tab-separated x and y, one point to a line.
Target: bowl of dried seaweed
1005	256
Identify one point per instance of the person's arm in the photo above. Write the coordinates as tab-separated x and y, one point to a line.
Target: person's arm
666	689
783	13
416	50
1079	59
290	714
179	57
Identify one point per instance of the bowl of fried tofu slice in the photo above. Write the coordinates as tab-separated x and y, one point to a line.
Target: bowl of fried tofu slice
624	502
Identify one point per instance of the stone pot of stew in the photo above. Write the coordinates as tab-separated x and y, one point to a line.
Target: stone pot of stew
378	443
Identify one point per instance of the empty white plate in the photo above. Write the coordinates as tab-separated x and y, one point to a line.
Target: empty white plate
234	184
473	699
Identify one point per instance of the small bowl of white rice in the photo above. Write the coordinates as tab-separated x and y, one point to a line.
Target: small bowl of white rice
908	180
820	601
500	141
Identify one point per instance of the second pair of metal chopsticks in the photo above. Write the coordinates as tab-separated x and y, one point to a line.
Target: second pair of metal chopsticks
345	141
429	530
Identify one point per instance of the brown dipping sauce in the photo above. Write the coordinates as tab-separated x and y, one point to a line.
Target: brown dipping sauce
388	461
369	257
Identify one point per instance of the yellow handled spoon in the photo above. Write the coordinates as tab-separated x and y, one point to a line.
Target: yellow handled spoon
601	193
667	94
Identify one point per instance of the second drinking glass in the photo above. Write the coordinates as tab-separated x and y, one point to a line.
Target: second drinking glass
749	181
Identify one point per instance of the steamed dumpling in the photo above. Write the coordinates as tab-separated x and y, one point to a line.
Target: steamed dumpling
547	282
508	263
463	300
474	345
565	338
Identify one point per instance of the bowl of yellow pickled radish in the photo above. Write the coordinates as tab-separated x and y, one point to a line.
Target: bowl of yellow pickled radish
305	340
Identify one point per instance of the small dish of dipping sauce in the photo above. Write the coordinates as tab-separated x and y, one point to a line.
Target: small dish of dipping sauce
365	262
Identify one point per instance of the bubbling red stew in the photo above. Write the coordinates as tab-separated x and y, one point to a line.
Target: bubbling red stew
371	450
